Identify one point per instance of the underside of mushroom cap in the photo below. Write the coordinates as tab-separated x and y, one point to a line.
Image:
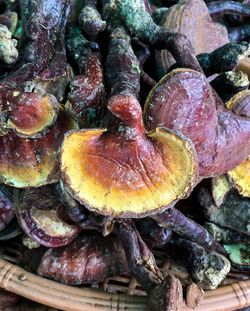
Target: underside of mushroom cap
122	177
26	162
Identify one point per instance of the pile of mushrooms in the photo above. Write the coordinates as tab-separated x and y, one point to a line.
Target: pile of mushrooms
99	162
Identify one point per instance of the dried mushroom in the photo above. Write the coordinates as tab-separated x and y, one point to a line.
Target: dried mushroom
183	100
39	212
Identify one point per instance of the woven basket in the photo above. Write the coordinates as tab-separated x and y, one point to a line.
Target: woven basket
117	293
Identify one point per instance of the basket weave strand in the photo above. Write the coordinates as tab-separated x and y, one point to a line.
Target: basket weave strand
33	287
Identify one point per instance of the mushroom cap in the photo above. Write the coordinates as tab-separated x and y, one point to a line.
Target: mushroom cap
192	18
31	114
26	162
184	101
42	222
113	175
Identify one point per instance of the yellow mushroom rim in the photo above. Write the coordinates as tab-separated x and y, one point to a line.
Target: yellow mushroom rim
37	119
240	177
237	98
127	178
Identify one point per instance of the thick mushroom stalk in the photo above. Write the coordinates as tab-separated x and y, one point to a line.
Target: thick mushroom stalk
174	220
183	100
163	294
90	19
138	21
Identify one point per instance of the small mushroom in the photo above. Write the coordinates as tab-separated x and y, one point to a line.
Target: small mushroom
39	212
191	18
32	162
29	114
90	258
183	100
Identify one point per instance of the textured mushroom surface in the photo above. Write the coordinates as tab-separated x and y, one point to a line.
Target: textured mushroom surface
184	101
26	162
125	171
191	18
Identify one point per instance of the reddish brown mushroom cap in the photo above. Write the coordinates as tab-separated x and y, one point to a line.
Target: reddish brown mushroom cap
127	172
184	101
30	114
38	212
26	162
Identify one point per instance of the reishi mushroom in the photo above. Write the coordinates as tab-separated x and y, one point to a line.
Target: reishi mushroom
183	100
140	172
39	214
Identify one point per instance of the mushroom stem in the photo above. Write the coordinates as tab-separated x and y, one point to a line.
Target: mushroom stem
174	220
152	232
90	19
225	58
228	7
139	22
229	83
163	294
140	259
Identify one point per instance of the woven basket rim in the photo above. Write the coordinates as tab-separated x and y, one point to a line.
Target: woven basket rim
64	297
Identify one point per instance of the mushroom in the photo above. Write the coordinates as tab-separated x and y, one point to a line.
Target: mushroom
89	259
191	18
183	100
163	293
141	172
26	162
29	113
39	214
